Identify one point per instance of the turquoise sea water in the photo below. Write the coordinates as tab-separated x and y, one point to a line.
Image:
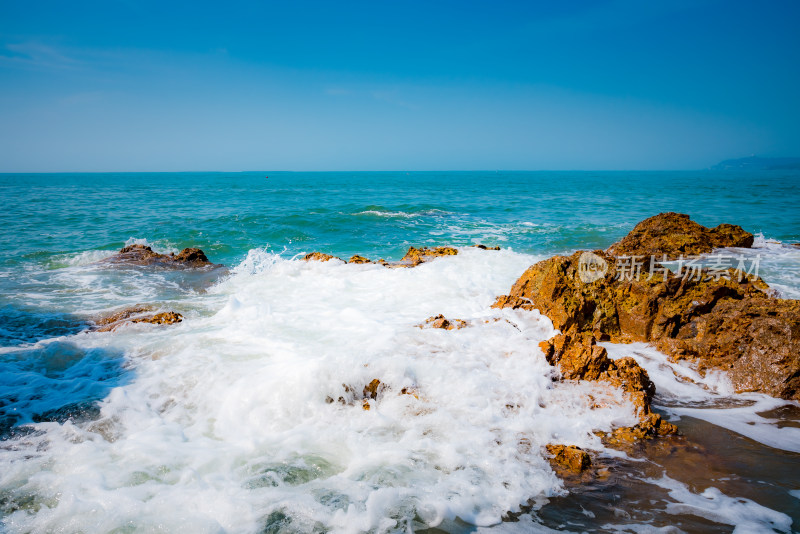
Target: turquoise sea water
377	214
172	403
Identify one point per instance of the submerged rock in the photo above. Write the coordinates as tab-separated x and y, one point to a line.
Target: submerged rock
135	314
439	321
731	323
144	255
674	234
484	247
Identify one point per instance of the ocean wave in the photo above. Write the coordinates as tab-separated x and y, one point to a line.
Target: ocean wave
379	212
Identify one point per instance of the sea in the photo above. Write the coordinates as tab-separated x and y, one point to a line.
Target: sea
246	417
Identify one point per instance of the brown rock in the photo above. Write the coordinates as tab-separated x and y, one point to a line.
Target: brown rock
372	389
674	234
439	321
425	254
757	341
319	256
144	255
135	314
484	247
191	255
578	357
569	457
359	259
160	318
650	426
731	324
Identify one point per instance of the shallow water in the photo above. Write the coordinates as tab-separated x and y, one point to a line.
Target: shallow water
231	420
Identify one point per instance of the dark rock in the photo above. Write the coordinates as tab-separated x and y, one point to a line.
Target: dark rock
144	255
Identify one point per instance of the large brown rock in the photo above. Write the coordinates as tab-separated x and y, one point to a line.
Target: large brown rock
144	255
757	341
731	323
675	234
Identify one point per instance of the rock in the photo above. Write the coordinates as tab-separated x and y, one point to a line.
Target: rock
421	255
191	255
757	341
650	426
319	256
144	255
370	392
160	318
372	389
359	259
439	321
675	234
484	247
412	258
578	357
569	457
732	324
135	314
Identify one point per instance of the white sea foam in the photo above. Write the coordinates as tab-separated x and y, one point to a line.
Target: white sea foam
682	391
158	246
743	514
403	214
778	264
79	259
231	420
227	421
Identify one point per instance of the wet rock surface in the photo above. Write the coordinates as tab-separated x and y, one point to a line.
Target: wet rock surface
569	457
412	258
135	314
319	256
420	255
440	321
144	255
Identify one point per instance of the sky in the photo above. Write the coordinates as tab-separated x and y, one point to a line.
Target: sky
140	85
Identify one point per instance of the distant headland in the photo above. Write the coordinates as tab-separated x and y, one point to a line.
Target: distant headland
757	163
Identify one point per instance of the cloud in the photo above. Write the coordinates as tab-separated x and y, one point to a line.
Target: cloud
37	55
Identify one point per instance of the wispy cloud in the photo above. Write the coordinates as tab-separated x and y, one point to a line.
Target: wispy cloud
37	55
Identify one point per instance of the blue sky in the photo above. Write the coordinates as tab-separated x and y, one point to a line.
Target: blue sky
306	85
